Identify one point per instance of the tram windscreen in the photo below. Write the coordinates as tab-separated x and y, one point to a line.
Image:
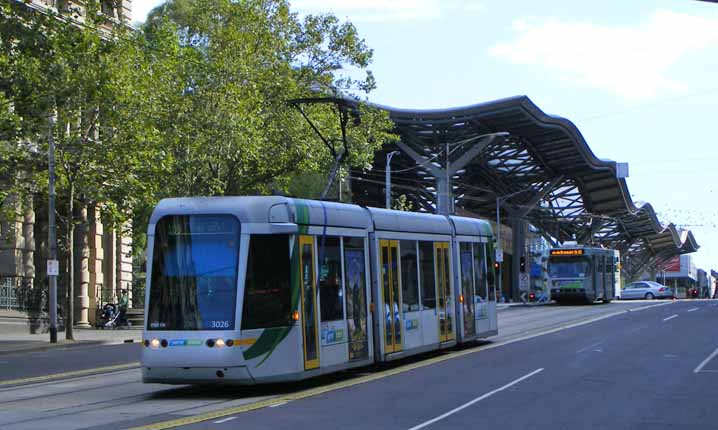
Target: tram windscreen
194	273
568	267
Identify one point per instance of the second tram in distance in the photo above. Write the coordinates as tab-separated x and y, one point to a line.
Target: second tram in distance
258	289
578	273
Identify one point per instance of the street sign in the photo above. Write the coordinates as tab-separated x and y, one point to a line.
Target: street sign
499	255
524	281
53	268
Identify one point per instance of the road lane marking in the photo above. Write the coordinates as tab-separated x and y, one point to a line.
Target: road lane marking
704	362
589	347
75	373
670	317
692	309
224	420
368	377
476	400
278	404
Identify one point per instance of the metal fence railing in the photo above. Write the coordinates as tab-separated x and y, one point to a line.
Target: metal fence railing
8	294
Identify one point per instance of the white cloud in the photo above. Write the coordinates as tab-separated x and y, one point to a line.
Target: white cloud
632	62
387	10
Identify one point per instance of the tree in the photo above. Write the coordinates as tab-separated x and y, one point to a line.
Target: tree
228	78
56	65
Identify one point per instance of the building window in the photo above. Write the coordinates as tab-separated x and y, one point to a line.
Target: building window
108	7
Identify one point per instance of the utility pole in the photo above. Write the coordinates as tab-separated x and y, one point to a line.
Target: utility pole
388	178
52	263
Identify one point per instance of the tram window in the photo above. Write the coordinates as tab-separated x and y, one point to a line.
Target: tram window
428	281
330	279
267	294
482	289
194	273
409	276
354	271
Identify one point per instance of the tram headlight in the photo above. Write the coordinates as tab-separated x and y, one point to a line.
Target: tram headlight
155	343
219	343
230	342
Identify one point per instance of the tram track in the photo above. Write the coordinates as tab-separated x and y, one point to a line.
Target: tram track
49	395
74	401
73	404
112	403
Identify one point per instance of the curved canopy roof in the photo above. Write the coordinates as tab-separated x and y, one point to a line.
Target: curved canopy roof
558	183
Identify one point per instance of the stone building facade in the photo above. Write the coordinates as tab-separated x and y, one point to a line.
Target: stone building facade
120	10
103	261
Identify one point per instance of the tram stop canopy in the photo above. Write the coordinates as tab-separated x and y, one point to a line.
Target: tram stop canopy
536	167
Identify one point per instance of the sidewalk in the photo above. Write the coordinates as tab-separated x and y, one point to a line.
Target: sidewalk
14	343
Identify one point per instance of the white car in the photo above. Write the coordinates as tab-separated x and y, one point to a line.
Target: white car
648	290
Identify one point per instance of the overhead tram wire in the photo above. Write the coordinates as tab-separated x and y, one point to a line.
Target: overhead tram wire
375	174
558	218
418	188
462	184
705	92
433	157
408	169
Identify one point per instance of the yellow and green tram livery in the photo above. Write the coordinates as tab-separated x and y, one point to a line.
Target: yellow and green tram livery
250	290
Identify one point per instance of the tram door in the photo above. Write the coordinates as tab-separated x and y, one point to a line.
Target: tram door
600	276
309	303
467	288
390	291
443	292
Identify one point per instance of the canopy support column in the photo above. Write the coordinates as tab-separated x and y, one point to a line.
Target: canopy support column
444	190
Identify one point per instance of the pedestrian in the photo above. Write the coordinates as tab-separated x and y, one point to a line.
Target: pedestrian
123	305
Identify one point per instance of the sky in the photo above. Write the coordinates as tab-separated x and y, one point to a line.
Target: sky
638	78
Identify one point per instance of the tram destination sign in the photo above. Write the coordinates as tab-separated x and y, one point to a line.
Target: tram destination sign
566	252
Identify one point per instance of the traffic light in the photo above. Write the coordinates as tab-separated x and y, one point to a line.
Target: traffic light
522	264
496	266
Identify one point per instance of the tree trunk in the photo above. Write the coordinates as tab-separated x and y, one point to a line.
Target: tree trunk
70	317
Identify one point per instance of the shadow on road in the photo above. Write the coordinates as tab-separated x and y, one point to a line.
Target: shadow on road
224	390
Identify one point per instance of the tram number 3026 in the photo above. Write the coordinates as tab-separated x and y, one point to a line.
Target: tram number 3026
220	324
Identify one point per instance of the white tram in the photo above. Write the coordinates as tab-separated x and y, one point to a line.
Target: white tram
258	289
582	273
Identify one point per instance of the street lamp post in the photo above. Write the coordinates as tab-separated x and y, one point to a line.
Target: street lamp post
388	177
51	235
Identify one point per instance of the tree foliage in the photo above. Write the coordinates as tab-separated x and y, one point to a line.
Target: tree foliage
229	71
196	102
